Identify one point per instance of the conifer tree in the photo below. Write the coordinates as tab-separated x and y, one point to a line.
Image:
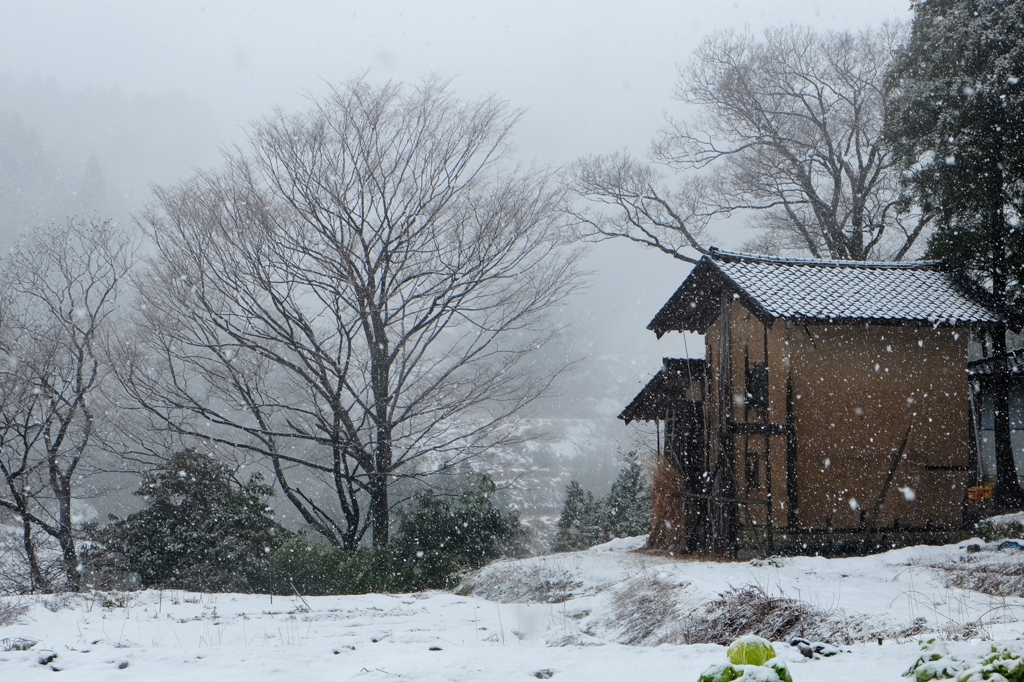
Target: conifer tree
587	521
957	126
200	530
577	527
628	505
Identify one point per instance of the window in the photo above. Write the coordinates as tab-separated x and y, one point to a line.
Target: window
753	470
757	386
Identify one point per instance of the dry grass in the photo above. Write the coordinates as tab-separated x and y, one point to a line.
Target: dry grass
648	612
17	643
668	527
750	609
543	579
994	573
11	610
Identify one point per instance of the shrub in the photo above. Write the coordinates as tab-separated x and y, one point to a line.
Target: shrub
306	569
437	540
199	531
469	530
990	530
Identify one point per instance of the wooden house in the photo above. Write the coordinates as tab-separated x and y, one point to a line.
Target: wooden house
835	409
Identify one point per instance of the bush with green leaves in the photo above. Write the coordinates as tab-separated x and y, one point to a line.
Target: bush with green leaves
751	659
587	521
316	569
999	664
438	539
201	530
991	530
463	532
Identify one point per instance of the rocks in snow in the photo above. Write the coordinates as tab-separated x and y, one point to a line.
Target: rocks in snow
813	649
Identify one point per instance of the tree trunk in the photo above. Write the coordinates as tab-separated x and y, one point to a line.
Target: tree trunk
37	581
66	538
380	521
1008	493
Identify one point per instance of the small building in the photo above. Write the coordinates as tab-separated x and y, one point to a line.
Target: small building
981	372
836	409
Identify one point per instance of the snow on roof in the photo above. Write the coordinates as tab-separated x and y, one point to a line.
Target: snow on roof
923	292
667	389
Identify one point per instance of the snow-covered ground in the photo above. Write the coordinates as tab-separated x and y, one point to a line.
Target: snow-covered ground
504	627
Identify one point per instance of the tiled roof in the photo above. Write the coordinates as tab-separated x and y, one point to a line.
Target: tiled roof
921	292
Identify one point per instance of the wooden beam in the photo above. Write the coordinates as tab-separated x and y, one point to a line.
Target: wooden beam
792	490
759	429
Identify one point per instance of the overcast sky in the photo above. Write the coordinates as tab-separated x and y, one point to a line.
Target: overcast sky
593	77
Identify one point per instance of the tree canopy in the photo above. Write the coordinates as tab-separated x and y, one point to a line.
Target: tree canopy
786	130
353	297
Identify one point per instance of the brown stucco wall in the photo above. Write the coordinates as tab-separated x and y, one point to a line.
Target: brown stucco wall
856	389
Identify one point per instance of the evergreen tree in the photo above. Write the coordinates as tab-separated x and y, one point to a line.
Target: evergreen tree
587	521
957	126
469	530
579	525
628	506
199	531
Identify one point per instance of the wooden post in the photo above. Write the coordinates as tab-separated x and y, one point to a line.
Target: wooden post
792	497
768	448
725	540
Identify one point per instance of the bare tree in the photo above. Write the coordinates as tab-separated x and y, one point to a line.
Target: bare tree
788	128
353	300
60	288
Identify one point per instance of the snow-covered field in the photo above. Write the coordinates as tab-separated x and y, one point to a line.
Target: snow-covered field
503	628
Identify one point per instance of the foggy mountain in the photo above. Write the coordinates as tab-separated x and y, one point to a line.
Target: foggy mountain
93	151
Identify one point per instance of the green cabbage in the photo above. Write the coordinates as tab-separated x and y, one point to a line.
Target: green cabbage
751	650
752	660
774	671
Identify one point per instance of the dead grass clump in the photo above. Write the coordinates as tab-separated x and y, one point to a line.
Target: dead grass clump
668	526
998	574
648	612
11	610
58	602
17	643
645	612
540	580
751	610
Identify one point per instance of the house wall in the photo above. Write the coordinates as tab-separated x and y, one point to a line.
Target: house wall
855	391
748	343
